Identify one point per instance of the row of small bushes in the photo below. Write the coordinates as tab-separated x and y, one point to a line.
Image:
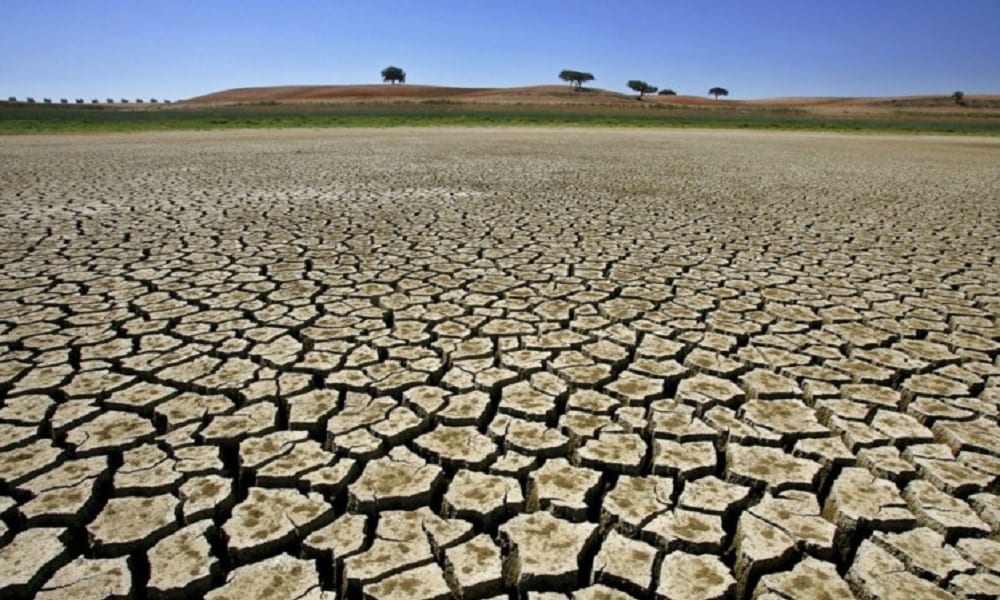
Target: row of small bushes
29	100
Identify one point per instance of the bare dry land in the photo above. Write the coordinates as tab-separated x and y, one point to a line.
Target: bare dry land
475	363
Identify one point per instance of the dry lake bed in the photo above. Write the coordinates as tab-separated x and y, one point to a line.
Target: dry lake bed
522	363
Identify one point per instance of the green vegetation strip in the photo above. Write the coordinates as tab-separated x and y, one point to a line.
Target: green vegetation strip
26	118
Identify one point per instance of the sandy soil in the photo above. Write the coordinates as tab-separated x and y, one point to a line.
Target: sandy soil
432	363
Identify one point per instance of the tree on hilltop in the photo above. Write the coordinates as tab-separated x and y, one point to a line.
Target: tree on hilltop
641	87
958	97
393	75
718	91
575	78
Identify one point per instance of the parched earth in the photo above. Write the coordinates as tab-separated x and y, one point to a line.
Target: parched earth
485	363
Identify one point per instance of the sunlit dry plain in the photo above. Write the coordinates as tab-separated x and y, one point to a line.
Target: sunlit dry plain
476	363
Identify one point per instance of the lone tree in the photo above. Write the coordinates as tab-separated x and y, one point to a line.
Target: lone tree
575	78
667	92
393	75
641	87
718	91
958	97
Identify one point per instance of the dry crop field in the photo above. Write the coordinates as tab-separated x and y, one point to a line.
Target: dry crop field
535	363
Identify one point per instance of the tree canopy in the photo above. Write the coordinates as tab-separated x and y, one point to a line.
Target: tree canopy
641	87
718	91
958	96
575	78
667	92
393	75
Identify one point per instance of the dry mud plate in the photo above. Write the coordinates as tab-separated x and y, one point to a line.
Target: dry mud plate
484	363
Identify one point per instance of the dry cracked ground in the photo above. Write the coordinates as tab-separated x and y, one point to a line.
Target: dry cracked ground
511	363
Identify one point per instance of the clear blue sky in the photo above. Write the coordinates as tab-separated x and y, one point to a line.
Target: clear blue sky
755	48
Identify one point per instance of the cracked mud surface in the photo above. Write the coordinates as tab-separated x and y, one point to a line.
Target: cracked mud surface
499	363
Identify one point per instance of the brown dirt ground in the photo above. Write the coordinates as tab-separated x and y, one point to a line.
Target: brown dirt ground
562	94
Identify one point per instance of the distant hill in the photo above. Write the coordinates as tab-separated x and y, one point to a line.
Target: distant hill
312	93
564	94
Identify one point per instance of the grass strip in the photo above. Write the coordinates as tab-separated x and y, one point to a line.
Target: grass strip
26	119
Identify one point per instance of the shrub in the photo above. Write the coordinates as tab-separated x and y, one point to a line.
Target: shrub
667	92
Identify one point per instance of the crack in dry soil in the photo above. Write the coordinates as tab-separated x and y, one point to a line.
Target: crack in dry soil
635	340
